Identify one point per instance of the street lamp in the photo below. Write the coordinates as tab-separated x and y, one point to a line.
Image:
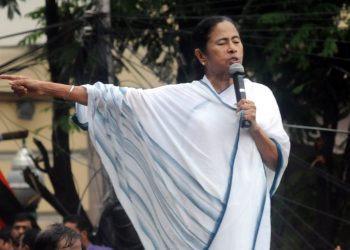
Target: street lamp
28	197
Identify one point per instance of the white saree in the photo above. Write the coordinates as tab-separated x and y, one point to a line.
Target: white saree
186	174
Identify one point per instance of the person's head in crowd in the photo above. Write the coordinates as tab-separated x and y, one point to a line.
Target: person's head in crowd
6	240
28	238
79	225
58	237
22	222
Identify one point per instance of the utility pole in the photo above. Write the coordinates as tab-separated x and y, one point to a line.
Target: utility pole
102	30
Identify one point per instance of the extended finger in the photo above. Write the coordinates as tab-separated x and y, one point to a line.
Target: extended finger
17	88
12	77
19	82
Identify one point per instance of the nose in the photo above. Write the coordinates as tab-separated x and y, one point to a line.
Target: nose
21	230
231	47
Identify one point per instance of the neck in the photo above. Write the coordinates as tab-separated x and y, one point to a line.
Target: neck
85	242
220	82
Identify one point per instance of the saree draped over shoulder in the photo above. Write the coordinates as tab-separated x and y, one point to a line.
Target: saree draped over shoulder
186	174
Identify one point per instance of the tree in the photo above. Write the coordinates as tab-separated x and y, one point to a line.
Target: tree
59	37
306	61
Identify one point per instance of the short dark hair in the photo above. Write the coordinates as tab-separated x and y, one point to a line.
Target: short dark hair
200	38
50	238
26	217
81	223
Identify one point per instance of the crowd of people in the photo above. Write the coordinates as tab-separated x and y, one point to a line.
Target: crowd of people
73	233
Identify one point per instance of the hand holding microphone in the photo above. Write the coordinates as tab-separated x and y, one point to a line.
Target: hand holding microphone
237	73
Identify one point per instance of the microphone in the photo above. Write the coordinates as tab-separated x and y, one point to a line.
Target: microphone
13	135
237	73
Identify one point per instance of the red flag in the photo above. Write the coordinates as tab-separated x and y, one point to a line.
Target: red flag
9	203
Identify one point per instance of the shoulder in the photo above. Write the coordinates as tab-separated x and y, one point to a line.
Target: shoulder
258	91
256	86
171	91
172	88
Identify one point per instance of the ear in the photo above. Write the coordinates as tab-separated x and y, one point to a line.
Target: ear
200	56
84	234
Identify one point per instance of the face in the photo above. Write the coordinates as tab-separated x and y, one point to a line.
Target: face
224	48
19	227
83	234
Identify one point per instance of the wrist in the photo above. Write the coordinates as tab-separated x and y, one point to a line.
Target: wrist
255	129
41	88
45	88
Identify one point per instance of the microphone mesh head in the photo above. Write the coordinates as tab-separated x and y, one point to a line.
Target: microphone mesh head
236	68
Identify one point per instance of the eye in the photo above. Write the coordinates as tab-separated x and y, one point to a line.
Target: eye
236	41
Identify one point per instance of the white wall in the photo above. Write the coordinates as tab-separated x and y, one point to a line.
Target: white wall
18	23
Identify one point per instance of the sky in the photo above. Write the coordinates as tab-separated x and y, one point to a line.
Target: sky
18	23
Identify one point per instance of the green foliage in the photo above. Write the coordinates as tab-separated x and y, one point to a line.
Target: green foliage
305	57
31	39
12	7
330	47
38	15
300	42
41	128
273	18
298	89
147	25
67	125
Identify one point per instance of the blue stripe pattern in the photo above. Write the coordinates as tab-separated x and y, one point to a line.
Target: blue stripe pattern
278	168
165	196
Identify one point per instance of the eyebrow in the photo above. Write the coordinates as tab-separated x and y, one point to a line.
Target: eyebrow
225	38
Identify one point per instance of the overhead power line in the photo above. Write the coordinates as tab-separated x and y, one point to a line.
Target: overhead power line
299	204
293	229
288	51
199	17
271	37
289	244
39	135
42	28
307	225
233	5
316	128
321	173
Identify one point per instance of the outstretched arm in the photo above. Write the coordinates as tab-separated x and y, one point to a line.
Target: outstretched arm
25	86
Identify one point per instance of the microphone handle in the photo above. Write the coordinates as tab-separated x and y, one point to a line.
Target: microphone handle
238	82
246	124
